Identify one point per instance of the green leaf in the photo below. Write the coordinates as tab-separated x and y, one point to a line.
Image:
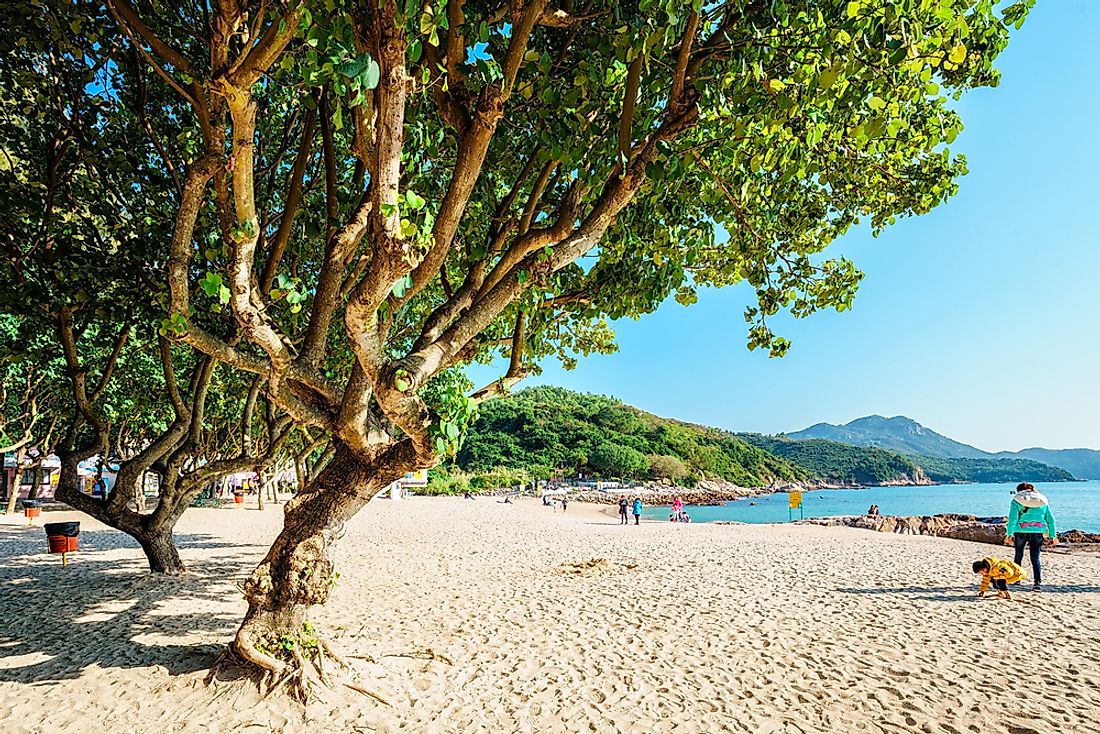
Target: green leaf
958	54
414	200
371	76
403	284
211	283
401	384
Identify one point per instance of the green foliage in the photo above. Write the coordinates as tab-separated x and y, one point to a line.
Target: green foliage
547	427
947	470
838	462
616	460
667	467
443	482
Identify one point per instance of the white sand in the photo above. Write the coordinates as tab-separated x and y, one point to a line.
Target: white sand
685	628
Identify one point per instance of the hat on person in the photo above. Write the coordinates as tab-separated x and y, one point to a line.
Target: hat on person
1030	498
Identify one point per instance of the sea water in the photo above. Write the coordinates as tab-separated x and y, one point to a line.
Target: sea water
1076	505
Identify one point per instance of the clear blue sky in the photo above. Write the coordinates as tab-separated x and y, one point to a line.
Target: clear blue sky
980	320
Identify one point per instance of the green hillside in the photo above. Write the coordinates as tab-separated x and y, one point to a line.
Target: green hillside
989	470
837	462
1081	463
543	429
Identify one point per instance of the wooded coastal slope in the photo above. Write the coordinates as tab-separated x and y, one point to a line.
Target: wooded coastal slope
545	432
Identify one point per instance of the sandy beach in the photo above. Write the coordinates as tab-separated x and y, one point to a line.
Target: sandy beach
696	628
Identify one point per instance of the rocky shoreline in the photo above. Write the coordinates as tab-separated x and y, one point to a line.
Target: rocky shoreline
990	530
716	491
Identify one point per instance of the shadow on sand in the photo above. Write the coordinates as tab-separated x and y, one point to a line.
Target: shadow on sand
106	612
967	593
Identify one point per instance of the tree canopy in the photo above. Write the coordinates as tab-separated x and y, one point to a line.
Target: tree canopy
353	200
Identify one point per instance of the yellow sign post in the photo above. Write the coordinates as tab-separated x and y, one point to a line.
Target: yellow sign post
795	502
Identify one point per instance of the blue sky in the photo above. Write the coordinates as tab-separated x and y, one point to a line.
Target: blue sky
980	320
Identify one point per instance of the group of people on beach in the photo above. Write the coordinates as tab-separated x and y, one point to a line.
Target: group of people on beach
1030	525
551	502
634	505
678	514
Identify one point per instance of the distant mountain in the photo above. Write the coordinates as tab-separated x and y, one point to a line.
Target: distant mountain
900	434
936	454
1081	463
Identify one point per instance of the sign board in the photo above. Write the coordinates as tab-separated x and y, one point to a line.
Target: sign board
795	500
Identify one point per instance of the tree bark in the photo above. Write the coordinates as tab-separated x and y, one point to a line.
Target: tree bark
32	493
160	548
16	481
298	571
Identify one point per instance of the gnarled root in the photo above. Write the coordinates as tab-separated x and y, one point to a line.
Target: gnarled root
293	661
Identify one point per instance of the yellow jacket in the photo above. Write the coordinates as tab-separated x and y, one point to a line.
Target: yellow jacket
1001	569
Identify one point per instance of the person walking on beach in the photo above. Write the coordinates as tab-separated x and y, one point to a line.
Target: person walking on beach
1029	523
564	502
623	506
677	509
637	508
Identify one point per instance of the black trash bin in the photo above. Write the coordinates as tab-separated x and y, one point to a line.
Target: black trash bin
62	536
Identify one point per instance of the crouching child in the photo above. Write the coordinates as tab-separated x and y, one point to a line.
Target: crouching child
998	572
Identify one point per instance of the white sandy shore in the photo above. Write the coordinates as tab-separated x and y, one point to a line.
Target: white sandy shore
695	628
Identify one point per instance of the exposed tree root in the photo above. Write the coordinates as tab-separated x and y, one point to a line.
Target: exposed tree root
300	676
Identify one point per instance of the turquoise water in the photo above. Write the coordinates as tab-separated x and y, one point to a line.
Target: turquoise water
1075	504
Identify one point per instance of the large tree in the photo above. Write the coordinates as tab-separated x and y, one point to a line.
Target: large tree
381	192
87	365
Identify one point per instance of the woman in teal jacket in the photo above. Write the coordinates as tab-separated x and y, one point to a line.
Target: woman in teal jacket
1029	522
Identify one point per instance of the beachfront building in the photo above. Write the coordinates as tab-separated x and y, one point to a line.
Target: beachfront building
412	480
44	473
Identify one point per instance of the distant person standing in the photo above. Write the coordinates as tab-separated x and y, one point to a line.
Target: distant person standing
677	508
564	502
624	506
637	509
1029	523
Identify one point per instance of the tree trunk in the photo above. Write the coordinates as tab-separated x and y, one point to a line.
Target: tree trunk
260	489
160	548
16	481
153	532
298	571
32	493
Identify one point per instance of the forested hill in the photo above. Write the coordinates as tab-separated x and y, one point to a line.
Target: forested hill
1082	463
545	429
